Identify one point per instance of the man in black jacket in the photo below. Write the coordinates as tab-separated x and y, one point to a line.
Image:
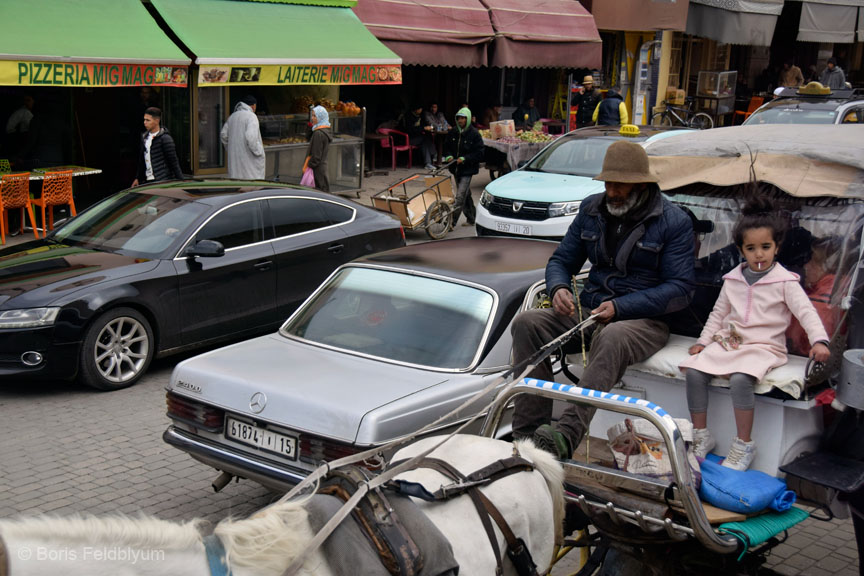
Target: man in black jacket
157	159
465	145
586	100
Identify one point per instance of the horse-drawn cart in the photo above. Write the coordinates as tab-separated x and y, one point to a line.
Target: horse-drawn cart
663	523
421	201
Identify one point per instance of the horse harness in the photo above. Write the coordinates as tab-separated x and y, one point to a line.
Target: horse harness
378	521
517	551
397	550
217	560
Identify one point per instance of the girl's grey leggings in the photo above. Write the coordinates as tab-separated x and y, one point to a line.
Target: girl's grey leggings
740	385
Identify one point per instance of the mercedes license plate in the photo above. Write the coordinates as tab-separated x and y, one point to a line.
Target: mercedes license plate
509	228
269	440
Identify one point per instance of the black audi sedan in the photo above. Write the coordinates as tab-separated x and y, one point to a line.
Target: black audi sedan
160	269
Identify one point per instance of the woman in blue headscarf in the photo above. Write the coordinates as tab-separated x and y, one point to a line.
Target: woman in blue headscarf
319	145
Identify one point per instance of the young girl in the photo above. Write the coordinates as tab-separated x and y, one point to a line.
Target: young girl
744	336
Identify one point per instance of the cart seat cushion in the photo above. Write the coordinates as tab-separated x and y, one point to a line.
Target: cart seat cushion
789	378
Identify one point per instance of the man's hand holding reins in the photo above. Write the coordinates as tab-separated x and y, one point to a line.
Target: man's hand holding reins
562	302
605	312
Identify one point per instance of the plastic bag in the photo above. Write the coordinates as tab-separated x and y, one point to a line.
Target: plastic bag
639	448
747	491
308	178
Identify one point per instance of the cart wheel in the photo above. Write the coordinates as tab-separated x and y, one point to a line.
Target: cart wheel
438	219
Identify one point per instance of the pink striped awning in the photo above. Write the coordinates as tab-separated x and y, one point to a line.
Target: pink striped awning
543	34
431	32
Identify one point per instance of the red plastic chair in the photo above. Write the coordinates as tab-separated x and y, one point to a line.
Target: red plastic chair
15	195
755	102
56	191
395	137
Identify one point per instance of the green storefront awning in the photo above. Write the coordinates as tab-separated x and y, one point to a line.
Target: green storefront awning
234	32
102	31
86	43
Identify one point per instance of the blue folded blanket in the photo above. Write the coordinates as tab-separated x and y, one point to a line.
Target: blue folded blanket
747	492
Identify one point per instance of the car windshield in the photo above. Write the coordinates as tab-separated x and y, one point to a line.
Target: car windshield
780	115
132	224
418	320
573	156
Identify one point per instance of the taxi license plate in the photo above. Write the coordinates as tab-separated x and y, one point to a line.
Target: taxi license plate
509	228
268	440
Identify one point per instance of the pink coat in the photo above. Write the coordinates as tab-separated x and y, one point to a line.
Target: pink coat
757	317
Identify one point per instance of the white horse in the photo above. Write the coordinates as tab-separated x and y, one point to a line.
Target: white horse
267	542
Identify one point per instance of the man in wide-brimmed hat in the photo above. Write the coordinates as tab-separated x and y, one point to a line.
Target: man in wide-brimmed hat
587	100
640	246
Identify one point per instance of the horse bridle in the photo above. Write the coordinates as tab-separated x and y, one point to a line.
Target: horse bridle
216	557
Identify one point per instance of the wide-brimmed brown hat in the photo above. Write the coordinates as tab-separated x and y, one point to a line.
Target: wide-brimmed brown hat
588	80
626	162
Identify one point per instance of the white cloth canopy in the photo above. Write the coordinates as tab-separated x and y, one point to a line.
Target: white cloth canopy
805	161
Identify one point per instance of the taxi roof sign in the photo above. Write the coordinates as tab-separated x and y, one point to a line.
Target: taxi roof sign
629	130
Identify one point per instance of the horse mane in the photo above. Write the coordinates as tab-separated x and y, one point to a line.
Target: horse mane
138	531
269	540
553	473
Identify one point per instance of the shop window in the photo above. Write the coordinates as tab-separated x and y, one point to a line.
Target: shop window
211	111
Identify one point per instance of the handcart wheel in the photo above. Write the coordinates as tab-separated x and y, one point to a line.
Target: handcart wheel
438	219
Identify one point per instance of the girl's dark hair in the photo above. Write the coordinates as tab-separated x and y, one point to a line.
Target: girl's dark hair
760	212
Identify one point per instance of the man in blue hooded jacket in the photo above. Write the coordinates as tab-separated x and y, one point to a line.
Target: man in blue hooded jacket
640	247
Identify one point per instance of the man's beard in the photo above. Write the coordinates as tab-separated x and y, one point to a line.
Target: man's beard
619	210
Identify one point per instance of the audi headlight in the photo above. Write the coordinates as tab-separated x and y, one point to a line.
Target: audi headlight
28	318
486	199
563	209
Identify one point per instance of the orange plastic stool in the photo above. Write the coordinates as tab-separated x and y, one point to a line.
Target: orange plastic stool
56	191
15	194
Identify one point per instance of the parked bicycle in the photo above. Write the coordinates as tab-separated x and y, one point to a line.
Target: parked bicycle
675	116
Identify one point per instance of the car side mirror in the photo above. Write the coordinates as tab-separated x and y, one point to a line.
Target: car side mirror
206	249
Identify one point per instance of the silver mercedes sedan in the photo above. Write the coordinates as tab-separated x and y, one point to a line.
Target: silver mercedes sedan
387	344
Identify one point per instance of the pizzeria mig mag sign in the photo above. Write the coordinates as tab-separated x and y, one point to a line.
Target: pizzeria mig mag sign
90	74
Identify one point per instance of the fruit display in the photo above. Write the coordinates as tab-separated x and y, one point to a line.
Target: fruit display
348	109
522	136
303	103
288	140
534	136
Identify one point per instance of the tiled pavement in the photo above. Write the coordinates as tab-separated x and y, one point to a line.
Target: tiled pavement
66	449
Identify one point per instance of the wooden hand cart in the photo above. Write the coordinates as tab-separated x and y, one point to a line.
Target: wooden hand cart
422	201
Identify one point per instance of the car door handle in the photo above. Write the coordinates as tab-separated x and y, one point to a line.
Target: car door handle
336	248
266	265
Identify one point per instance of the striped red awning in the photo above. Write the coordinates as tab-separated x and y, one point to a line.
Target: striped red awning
474	33
543	34
431	32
